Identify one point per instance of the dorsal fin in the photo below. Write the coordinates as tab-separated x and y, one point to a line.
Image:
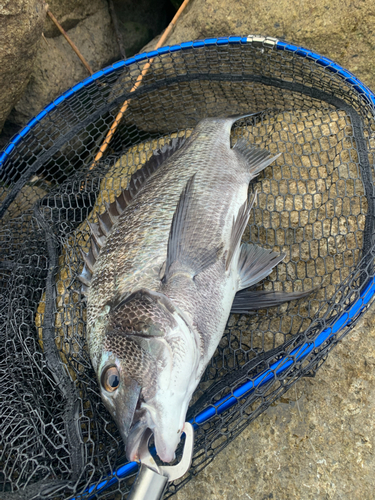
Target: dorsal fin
100	231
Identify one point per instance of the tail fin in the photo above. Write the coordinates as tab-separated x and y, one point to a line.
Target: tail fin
235	118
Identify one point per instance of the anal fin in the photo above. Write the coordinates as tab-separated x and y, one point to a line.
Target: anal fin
255	263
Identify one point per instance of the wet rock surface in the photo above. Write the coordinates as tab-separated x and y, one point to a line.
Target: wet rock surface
90	26
57	67
69	13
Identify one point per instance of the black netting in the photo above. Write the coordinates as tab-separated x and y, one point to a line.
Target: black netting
315	203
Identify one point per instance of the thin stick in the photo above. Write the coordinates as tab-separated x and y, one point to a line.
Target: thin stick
74	47
45	39
146	67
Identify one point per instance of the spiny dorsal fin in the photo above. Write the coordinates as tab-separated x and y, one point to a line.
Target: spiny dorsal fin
185	254
239	225
96	234
158	157
115	209
255	263
100	231
85	278
257	159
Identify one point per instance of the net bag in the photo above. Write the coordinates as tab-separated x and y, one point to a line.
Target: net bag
315	204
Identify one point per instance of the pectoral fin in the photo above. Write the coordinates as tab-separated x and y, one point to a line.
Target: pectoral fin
186	253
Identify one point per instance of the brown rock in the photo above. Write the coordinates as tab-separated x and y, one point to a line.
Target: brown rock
21	25
57	67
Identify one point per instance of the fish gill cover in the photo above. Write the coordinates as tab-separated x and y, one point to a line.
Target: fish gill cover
315	203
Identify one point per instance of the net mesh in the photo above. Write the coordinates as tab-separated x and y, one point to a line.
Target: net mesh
315	204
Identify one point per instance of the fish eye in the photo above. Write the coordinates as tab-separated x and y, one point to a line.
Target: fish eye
110	379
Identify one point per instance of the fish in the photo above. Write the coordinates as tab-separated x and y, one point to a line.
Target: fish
166	268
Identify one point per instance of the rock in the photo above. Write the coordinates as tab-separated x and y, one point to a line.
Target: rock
342	31
58	68
69	13
135	35
21	25
151	45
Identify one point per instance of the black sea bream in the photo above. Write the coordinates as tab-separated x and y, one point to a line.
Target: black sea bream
161	278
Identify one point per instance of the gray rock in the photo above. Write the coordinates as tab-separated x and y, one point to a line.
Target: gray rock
151	45
21	25
57	67
134	35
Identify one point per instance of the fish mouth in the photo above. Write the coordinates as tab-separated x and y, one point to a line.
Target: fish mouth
139	427
136	432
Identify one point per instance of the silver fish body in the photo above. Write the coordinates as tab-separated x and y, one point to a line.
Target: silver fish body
163	280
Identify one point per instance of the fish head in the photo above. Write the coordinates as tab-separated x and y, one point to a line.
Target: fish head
147	371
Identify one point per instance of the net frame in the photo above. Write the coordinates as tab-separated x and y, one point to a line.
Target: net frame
321	343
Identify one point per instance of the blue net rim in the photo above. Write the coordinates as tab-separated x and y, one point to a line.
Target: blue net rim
360	87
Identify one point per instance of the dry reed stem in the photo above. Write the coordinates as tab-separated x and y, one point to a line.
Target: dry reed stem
71	43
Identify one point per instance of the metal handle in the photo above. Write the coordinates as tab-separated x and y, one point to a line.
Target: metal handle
151	481
148	485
